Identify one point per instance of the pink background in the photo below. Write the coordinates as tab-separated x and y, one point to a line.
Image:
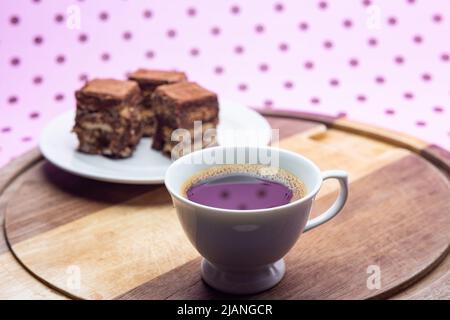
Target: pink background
391	69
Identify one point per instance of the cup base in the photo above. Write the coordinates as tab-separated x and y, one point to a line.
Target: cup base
247	281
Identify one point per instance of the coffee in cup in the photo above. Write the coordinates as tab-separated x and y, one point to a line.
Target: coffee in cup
243	187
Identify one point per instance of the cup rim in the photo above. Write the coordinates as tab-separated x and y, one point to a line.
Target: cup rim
311	193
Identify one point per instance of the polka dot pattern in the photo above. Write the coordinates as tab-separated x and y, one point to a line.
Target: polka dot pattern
309	56
147	14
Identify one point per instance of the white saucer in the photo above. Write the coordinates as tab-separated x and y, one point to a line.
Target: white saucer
147	166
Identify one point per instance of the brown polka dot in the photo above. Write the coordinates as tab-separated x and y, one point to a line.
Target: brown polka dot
194	52
389	112
288	84
426	77
83	37
59	97
218	70
263	67
379	79
308	65
361	98
191	12
353	62
38	40
242	87
437	18
60	59
392	21
224	194
127	35
372	42
235	9
242	206
421	123
59	18
438	109
103	16
105	56
278	7
347	23
259	28
239	49
399	60
14	20
268	103
83	77
328	44
322	5
15	61
261	193
334	82
147	14
283	46
408	95
37	80
34	115
13	99
418	39
315	100
303	26
171	33
215	31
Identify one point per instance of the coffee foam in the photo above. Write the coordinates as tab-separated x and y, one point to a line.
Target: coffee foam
279	175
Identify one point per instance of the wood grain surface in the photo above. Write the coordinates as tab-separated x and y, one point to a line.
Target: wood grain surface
15	281
124	242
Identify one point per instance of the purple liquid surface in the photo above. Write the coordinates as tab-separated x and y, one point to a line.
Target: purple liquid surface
240	191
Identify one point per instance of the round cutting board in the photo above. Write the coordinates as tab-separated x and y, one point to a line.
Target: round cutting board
96	240
15	281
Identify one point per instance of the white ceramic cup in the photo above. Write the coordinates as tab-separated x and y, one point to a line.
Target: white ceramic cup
243	250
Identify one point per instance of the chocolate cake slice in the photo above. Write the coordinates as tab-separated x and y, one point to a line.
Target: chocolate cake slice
182	106
148	81
108	119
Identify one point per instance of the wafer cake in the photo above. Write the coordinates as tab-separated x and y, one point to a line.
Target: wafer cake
108	120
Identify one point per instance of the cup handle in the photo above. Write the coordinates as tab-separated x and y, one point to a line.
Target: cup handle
337	206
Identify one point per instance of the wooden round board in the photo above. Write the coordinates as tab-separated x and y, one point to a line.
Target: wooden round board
94	240
15	281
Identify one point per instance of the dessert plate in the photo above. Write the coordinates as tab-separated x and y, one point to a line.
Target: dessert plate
239	125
